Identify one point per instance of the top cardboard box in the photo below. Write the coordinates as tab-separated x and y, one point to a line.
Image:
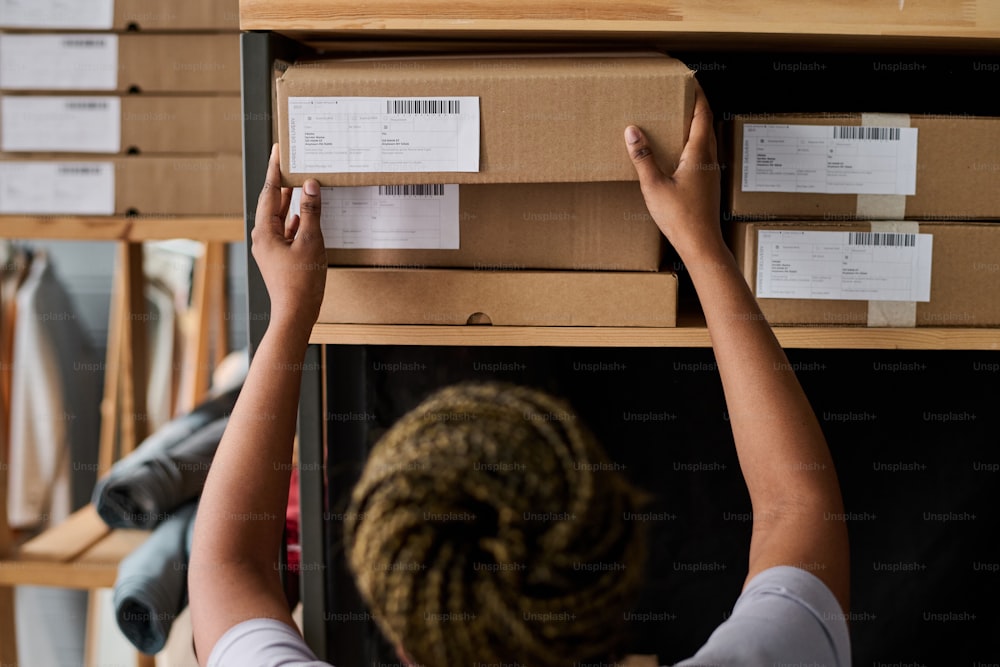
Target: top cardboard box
542	119
955	176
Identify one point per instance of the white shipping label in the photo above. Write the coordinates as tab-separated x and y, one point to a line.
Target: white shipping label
383	134
404	217
856	266
54	124
57	14
830	159
59	62
57	188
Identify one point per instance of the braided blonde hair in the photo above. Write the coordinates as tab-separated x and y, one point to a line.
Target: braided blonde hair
487	527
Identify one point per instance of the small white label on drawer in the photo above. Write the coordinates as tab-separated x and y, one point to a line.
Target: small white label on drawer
829	159
383	134
57	14
856	266
59	62
57	188
402	217
54	124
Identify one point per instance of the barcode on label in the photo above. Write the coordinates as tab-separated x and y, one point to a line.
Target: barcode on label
882	239
79	171
86	105
422	106
82	43
866	133
411	190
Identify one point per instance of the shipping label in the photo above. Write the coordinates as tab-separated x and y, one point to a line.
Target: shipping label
383	134
57	188
405	217
57	14
74	61
829	159
856	266
60	124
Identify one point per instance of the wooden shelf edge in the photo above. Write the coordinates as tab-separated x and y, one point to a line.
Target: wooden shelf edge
80	576
121	228
801	31
684	336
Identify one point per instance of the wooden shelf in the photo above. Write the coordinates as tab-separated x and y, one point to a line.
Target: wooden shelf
923	24
685	336
81	552
121	228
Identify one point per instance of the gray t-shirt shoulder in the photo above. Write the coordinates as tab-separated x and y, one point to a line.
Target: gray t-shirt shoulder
785	616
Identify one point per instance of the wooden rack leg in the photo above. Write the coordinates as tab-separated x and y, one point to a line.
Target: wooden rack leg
8	618
8	629
220	304
110	403
134	373
199	352
124	421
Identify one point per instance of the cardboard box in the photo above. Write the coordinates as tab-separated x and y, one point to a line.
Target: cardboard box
583	226
84	185
126	124
129	63
964	276
502	298
957	174
122	15
542	119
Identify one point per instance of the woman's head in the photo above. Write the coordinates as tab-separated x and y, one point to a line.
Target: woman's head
487	527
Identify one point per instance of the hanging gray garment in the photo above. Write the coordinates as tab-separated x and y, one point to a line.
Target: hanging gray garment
55	403
168	469
151	588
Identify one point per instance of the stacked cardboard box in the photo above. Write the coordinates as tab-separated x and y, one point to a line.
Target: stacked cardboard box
868	219
486	188
95	120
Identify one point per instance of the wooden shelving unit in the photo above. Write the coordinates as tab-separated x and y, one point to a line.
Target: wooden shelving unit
285	30
121	228
850	24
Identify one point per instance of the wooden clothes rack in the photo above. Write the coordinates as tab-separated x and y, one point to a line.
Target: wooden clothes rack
82	552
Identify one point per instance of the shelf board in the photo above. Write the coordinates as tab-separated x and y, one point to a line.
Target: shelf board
808	23
682	336
121	228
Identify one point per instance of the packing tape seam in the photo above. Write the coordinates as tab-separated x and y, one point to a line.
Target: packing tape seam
893	313
889	207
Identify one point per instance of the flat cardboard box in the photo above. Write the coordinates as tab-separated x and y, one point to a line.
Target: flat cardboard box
965	276
501	298
182	124
199	63
146	63
583	226
174	185
130	15
543	119
177	15
958	172
163	124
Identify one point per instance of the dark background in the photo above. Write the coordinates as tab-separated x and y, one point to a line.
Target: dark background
924	590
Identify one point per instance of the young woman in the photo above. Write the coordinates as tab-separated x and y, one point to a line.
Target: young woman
465	562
